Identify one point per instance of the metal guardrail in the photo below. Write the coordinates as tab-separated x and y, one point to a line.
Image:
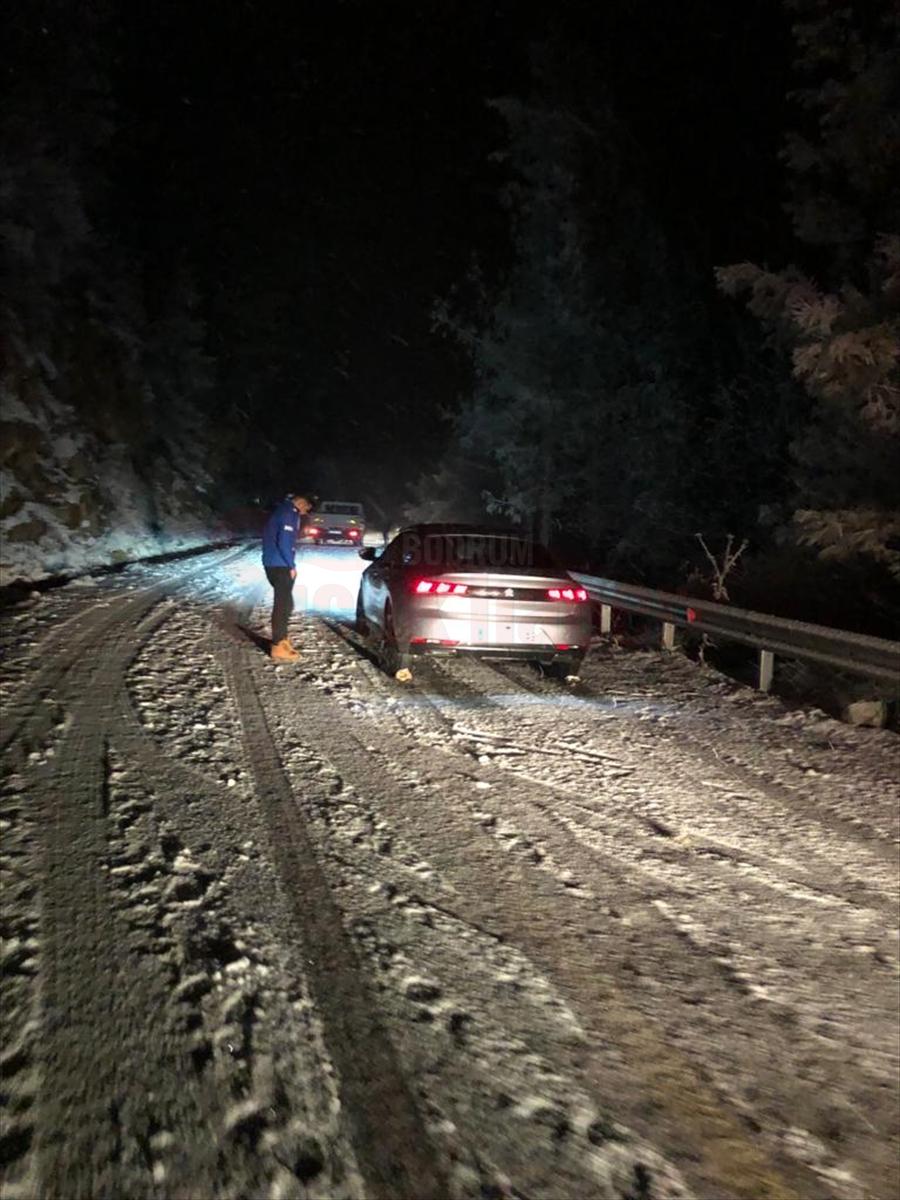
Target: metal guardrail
875	657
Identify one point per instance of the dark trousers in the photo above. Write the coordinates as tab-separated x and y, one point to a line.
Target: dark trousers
283	605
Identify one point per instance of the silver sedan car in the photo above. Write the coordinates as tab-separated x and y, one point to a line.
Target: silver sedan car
461	589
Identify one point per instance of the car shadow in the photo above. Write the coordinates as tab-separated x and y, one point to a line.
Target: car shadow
262	643
346	628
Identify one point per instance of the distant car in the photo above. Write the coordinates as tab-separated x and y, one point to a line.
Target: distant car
335	523
463	589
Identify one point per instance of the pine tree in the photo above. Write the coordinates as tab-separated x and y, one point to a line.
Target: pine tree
839	318
88	363
597	387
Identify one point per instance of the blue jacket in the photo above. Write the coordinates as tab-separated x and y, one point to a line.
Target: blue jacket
280	536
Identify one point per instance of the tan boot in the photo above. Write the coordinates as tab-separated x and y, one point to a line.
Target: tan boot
283	651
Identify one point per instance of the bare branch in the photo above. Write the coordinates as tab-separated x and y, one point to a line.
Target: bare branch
722	569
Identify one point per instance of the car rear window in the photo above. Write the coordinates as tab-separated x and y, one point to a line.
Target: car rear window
350	510
475	552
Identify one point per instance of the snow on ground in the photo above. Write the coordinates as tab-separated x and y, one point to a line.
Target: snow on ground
486	935
487	1039
243	994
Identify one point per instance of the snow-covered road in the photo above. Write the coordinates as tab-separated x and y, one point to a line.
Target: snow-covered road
299	931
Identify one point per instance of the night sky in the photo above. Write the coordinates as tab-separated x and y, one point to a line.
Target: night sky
324	169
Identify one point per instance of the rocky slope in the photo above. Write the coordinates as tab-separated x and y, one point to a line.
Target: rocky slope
74	491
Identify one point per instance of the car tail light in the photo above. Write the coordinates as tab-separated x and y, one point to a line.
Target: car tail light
314	531
352	533
568	594
439	587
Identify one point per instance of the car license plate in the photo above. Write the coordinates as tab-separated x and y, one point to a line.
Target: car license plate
500	635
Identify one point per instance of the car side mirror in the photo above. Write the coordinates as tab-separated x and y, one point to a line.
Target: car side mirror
370	553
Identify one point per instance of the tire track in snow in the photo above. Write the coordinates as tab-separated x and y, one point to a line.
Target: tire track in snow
736	973
62	648
451	684
691	739
769	872
393	1151
564	933
27	720
855	938
39	745
207	907
871	887
630	815
105	1020
83	1002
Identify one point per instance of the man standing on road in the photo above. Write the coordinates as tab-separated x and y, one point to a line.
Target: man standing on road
279	544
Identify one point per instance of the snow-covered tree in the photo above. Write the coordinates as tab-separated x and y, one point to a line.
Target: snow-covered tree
839	316
99	391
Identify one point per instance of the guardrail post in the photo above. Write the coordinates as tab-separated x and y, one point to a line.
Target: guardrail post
605	618
766	669
668	638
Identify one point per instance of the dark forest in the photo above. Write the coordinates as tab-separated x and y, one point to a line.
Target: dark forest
627	275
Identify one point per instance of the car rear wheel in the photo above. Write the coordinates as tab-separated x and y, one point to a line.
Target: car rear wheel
362	625
563	668
393	659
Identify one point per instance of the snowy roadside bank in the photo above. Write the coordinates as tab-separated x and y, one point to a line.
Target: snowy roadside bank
75	493
17	589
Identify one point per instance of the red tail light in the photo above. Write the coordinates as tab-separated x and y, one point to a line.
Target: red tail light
439	587
314	531
352	533
568	594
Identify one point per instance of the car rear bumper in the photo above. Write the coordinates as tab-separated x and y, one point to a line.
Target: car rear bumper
495	629
513	652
